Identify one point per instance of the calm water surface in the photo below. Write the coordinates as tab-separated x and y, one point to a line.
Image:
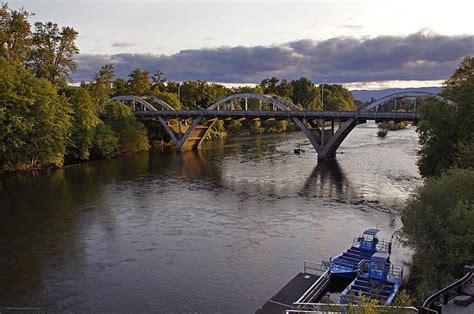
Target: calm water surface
216	231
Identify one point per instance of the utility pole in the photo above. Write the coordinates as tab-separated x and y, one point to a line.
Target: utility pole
322	95
179	93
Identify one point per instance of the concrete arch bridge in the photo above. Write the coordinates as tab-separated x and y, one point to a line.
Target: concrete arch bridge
326	130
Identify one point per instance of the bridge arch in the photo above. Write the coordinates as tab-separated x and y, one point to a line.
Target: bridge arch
278	102
146	102
329	149
374	106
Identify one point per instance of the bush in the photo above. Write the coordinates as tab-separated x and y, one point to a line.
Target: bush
105	143
132	134
84	122
437	223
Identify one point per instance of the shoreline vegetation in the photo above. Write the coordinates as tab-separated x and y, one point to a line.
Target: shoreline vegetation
438	218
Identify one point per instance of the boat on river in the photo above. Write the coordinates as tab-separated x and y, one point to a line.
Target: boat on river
329	278
377	279
363	247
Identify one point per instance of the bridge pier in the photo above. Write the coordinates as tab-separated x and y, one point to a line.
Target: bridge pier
188	137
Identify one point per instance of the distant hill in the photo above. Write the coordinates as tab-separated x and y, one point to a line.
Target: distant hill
366	95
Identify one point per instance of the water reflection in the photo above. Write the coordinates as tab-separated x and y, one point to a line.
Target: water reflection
327	180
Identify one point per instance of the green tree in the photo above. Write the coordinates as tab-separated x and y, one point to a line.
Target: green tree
306	94
158	81
337	97
278	87
105	143
132	134
446	131
84	122
437	223
139	82
15	34
102	86
35	120
120	87
53	52
169	98
437	136
194	95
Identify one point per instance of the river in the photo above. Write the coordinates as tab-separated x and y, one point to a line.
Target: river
220	230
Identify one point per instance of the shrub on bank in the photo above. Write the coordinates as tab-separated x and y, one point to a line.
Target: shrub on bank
131	134
437	223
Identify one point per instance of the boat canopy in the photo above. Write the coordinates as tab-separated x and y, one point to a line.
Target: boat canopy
369	240
380	257
372	231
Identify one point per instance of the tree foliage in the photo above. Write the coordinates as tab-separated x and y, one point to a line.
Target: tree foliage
105	143
102	86
306	94
15	35
84	122
35	120
53	52
437	223
132	134
446	131
139	82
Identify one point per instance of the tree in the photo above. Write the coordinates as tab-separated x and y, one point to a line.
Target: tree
169	98
15	34
158	81
336	97
105	143
139	82
53	52
306	94
132	134
84	123
437	137
102	87
274	86
446	130
34	120
120	87
437	223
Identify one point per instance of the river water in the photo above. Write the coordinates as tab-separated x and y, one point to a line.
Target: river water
221	230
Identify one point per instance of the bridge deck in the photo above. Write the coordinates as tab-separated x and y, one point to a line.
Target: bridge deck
252	114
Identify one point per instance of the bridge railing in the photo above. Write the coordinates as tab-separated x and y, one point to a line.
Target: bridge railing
313	114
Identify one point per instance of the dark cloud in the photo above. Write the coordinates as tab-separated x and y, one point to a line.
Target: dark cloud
420	56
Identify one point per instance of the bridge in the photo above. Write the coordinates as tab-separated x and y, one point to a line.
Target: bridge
326	130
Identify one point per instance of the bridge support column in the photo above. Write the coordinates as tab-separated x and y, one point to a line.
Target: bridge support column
329	149
326	142
190	137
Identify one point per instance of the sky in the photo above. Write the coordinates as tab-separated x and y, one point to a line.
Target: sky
359	43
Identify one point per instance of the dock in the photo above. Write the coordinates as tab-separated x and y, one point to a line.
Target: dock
306	286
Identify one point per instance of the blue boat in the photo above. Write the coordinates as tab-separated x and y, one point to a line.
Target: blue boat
363	247
376	279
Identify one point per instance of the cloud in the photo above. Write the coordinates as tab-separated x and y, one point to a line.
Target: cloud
353	27
419	56
122	44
